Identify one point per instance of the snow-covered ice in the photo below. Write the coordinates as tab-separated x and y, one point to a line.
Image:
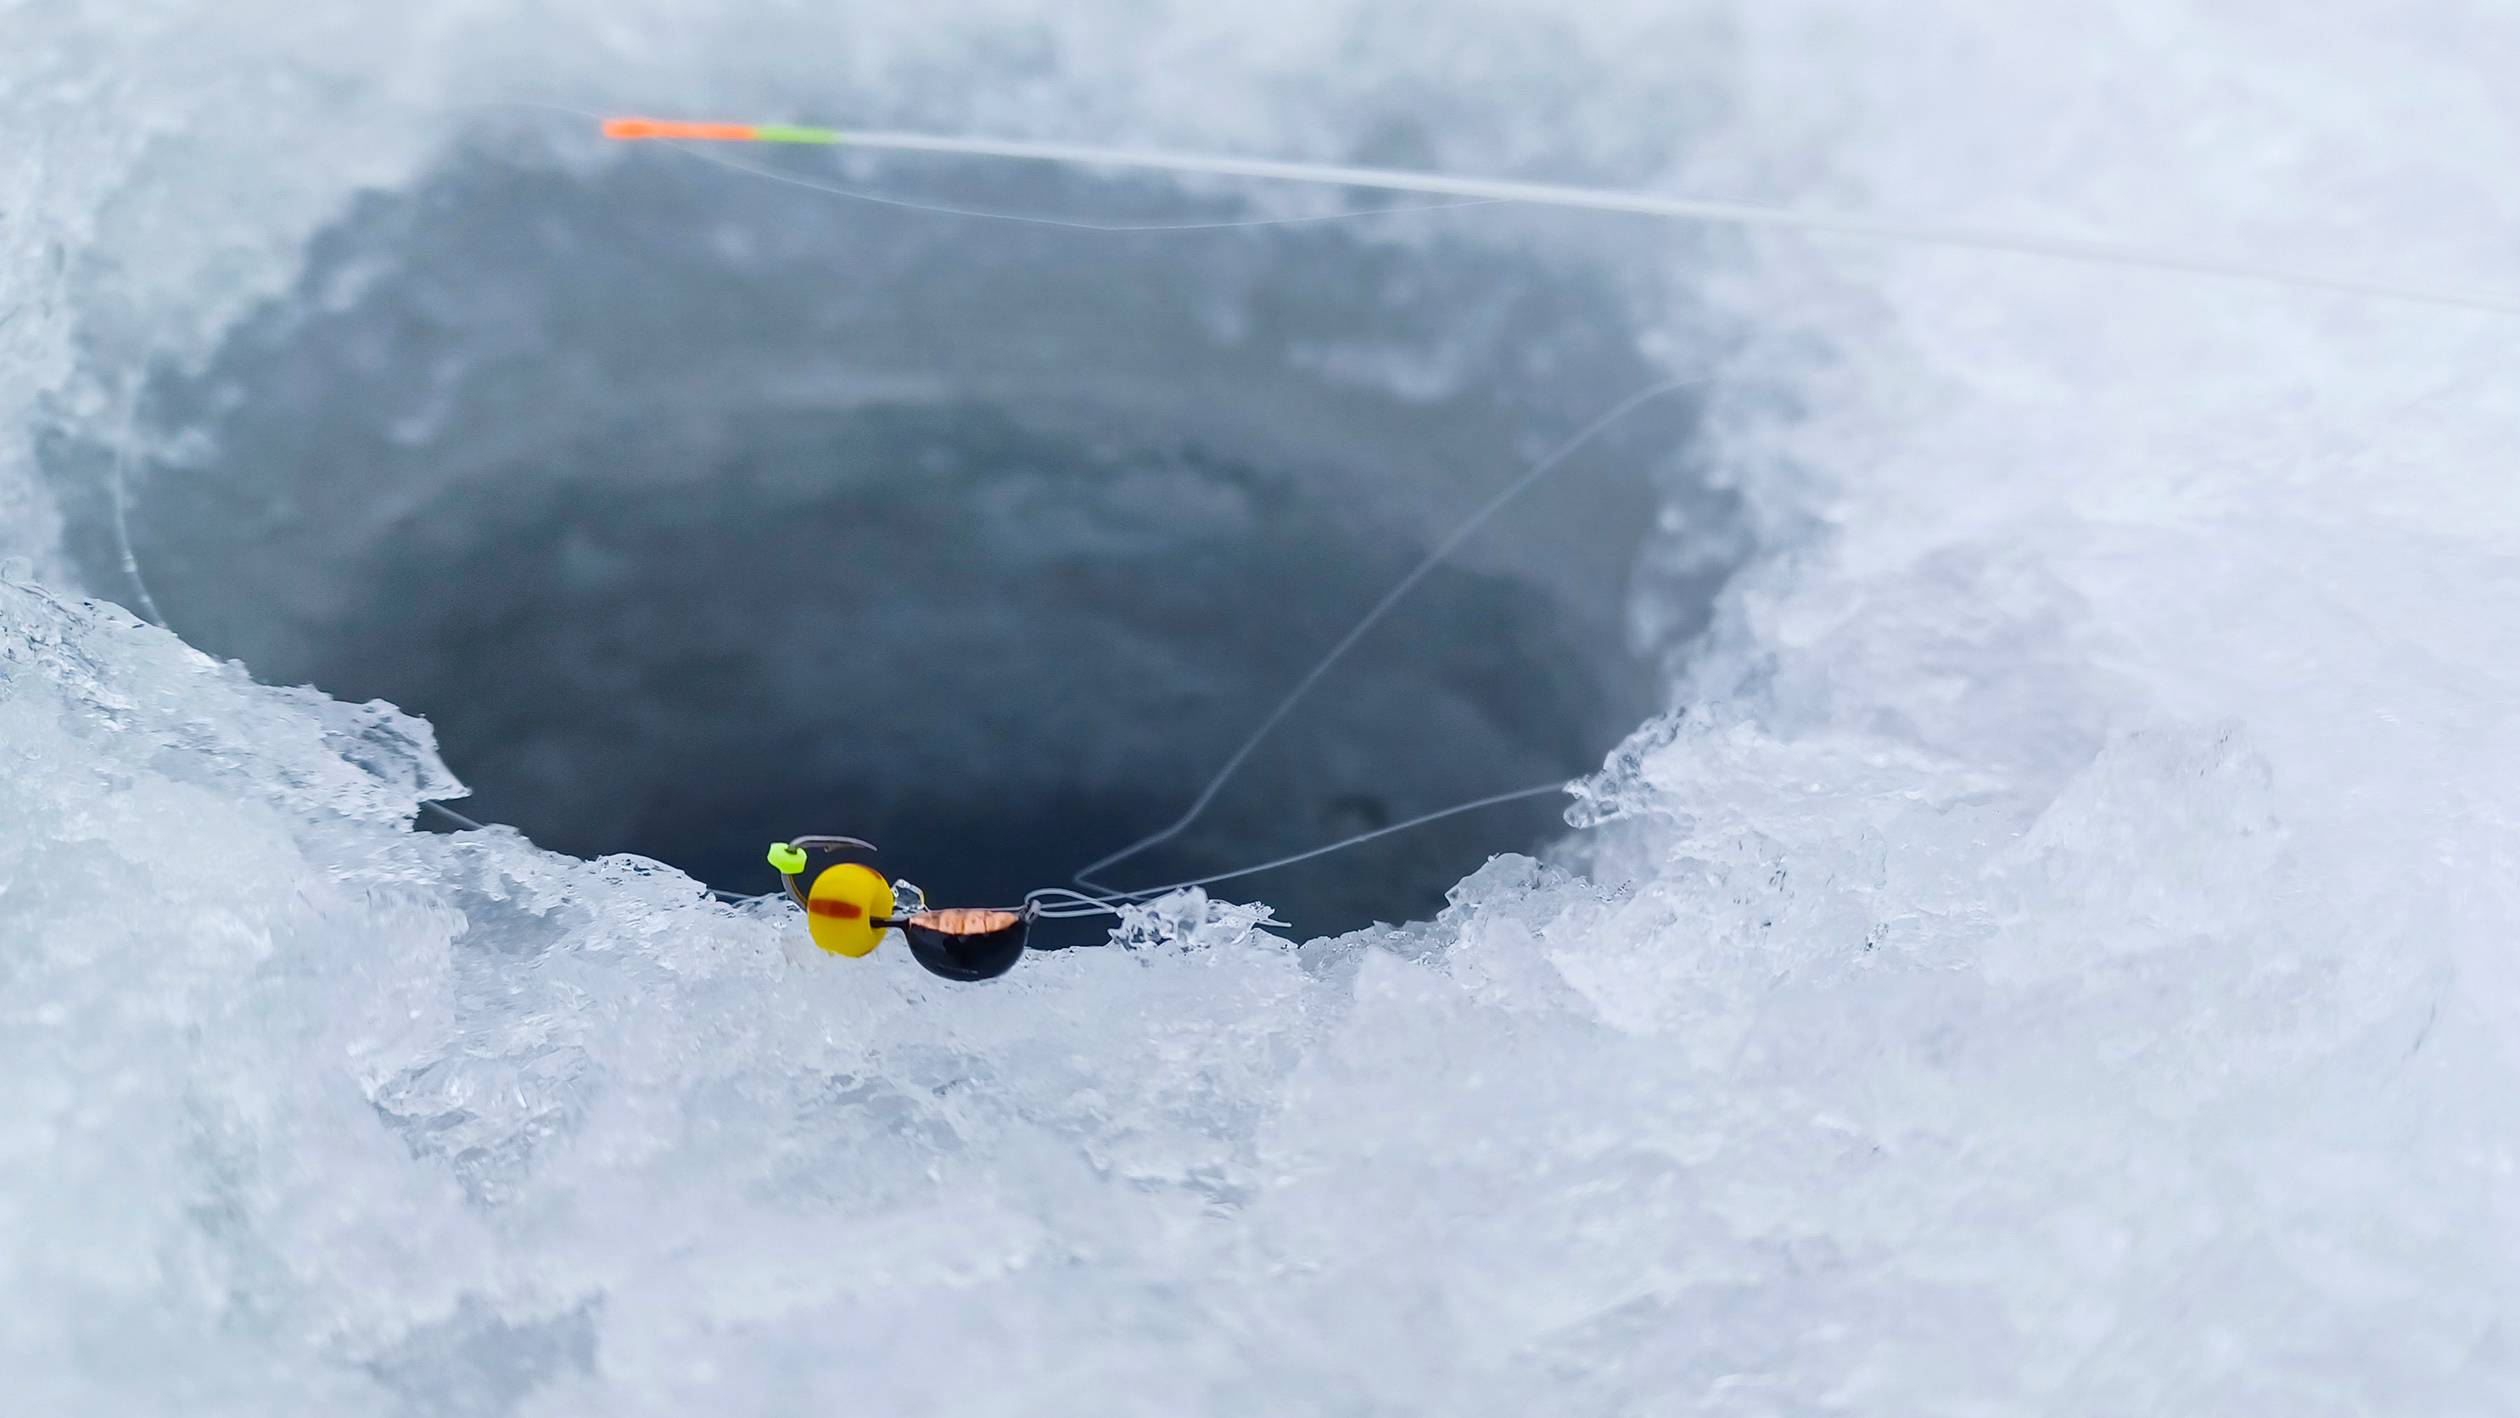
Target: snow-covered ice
2056	957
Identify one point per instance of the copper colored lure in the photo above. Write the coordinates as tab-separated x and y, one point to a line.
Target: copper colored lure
968	943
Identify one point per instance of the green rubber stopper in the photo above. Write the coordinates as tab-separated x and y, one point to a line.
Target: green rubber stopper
789	860
790	133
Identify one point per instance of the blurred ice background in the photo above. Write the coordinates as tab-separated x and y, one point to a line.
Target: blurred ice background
2055	956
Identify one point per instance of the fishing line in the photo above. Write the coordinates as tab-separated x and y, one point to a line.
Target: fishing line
1065	223
1087	874
122	511
1551	194
131	560
680	139
1080	905
1083	904
850	909
1498	190
1106	899
455	817
1472	191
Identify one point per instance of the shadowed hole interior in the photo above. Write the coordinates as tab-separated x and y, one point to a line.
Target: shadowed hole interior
695	511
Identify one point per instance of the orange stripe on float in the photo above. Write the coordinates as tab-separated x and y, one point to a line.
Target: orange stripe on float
845	910
669	128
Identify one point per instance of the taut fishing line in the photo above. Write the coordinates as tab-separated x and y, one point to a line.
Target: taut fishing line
680	139
1086	875
1551	194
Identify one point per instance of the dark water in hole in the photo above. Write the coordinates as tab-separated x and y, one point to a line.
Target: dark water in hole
691	526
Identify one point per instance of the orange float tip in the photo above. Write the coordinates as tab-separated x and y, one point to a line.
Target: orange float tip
635	128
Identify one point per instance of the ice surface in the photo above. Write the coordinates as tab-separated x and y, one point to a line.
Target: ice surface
2058	961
